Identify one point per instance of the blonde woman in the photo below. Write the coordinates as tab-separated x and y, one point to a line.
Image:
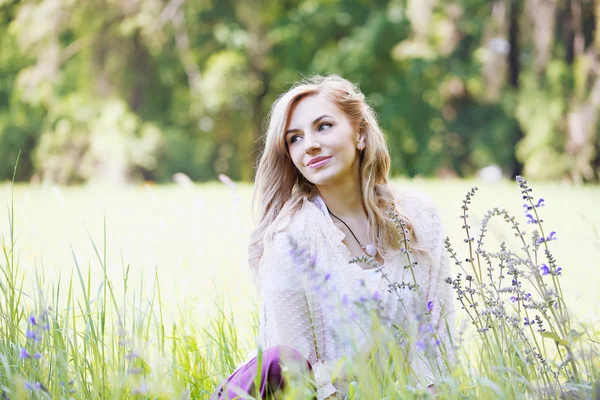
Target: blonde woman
323	194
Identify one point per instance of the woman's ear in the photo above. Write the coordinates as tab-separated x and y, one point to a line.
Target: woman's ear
361	143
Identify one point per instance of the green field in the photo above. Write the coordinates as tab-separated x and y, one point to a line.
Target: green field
195	238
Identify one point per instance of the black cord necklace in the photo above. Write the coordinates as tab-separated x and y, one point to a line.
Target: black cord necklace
369	249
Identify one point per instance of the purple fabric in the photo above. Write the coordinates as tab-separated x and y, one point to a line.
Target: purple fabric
241	383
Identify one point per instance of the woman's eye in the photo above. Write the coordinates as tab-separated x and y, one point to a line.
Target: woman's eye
293	139
324	124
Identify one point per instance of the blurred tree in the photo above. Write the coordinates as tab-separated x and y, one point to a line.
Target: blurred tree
142	89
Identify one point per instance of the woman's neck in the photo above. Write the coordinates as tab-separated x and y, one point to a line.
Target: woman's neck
345	200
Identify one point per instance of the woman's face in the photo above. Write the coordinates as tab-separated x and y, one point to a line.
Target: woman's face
322	142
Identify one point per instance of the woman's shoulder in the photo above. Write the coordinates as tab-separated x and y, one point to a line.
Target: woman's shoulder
417	205
295	222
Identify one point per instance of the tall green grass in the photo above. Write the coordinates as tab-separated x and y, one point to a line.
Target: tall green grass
84	337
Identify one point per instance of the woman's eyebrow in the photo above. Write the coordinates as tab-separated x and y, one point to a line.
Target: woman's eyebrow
314	122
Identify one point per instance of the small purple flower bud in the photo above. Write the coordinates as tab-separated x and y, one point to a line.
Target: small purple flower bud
345	300
28	386
513	298
552	236
327	276
38	385
530	219
30	334
313	260
559	271
430	305
541	240
32	320
527	321
544	269
376	296
362	299
540	203
37	355
24	353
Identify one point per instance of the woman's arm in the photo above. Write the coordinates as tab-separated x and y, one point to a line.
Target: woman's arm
290	313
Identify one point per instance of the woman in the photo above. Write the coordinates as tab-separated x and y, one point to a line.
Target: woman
322	185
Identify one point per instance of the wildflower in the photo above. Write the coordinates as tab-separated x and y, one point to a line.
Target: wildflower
37	355
376	296
28	386
32	320
544	269
420	345
530	219
24	353
551	237
558	271
513	298
527	321
142	389
540	203
327	276
345	300
134	371
430	305
362	299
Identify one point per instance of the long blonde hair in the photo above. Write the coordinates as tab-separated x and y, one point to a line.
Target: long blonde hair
280	188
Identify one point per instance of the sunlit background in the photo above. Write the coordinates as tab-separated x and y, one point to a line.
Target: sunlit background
129	111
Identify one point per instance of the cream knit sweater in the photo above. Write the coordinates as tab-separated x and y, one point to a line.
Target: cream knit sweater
315	301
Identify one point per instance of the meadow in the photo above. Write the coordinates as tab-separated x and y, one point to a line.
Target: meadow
160	273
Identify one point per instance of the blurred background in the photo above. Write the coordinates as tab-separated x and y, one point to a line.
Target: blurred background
127	91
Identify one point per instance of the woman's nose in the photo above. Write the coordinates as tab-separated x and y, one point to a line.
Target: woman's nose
310	143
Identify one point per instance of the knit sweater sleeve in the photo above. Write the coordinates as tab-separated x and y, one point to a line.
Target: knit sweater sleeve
438	291
290	313
438	294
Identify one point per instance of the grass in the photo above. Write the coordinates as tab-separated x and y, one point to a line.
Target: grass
150	294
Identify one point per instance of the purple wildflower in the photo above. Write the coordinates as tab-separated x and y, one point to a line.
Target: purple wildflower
363	299
530	219
552	236
345	299
540	203
37	355
430	305
32	320
327	276
528	322
28	386
24	353
30	334
559	271
376	296
544	269
420	345
513	298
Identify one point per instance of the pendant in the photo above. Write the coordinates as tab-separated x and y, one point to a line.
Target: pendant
371	250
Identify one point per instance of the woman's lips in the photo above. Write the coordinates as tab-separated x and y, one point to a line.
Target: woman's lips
319	163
